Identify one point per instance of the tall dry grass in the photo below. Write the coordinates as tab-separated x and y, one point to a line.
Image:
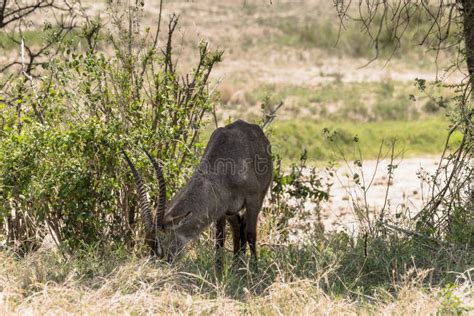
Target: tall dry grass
46	283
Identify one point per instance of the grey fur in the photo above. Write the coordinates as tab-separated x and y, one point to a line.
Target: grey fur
235	172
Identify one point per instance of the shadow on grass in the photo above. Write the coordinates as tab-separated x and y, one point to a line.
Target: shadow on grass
335	263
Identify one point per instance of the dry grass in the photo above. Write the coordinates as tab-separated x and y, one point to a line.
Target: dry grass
44	283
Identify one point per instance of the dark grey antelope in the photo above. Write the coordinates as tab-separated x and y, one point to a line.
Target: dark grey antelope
234	174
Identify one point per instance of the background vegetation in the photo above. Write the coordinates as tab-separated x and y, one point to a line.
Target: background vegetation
77	90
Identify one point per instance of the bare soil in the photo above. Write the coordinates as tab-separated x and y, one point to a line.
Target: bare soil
405	194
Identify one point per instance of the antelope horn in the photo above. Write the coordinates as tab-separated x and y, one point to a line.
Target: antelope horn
161	205
145	209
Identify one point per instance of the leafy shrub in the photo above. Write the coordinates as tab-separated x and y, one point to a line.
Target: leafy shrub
291	191
434	105
61	170
64	179
431	107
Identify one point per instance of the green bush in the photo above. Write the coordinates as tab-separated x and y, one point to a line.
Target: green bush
61	170
67	179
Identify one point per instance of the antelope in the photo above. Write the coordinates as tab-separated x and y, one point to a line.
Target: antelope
234	174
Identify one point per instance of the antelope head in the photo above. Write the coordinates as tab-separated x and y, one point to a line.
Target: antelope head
163	220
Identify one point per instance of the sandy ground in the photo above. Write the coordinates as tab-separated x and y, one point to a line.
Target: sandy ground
407	193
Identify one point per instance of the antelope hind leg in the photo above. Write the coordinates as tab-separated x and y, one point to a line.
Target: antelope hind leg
252	206
220	241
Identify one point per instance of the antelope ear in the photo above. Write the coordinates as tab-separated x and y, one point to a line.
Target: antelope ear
179	219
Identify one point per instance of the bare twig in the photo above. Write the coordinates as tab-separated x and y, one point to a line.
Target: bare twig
30	79
411	233
269	117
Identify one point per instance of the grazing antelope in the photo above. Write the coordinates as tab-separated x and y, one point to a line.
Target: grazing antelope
235	172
